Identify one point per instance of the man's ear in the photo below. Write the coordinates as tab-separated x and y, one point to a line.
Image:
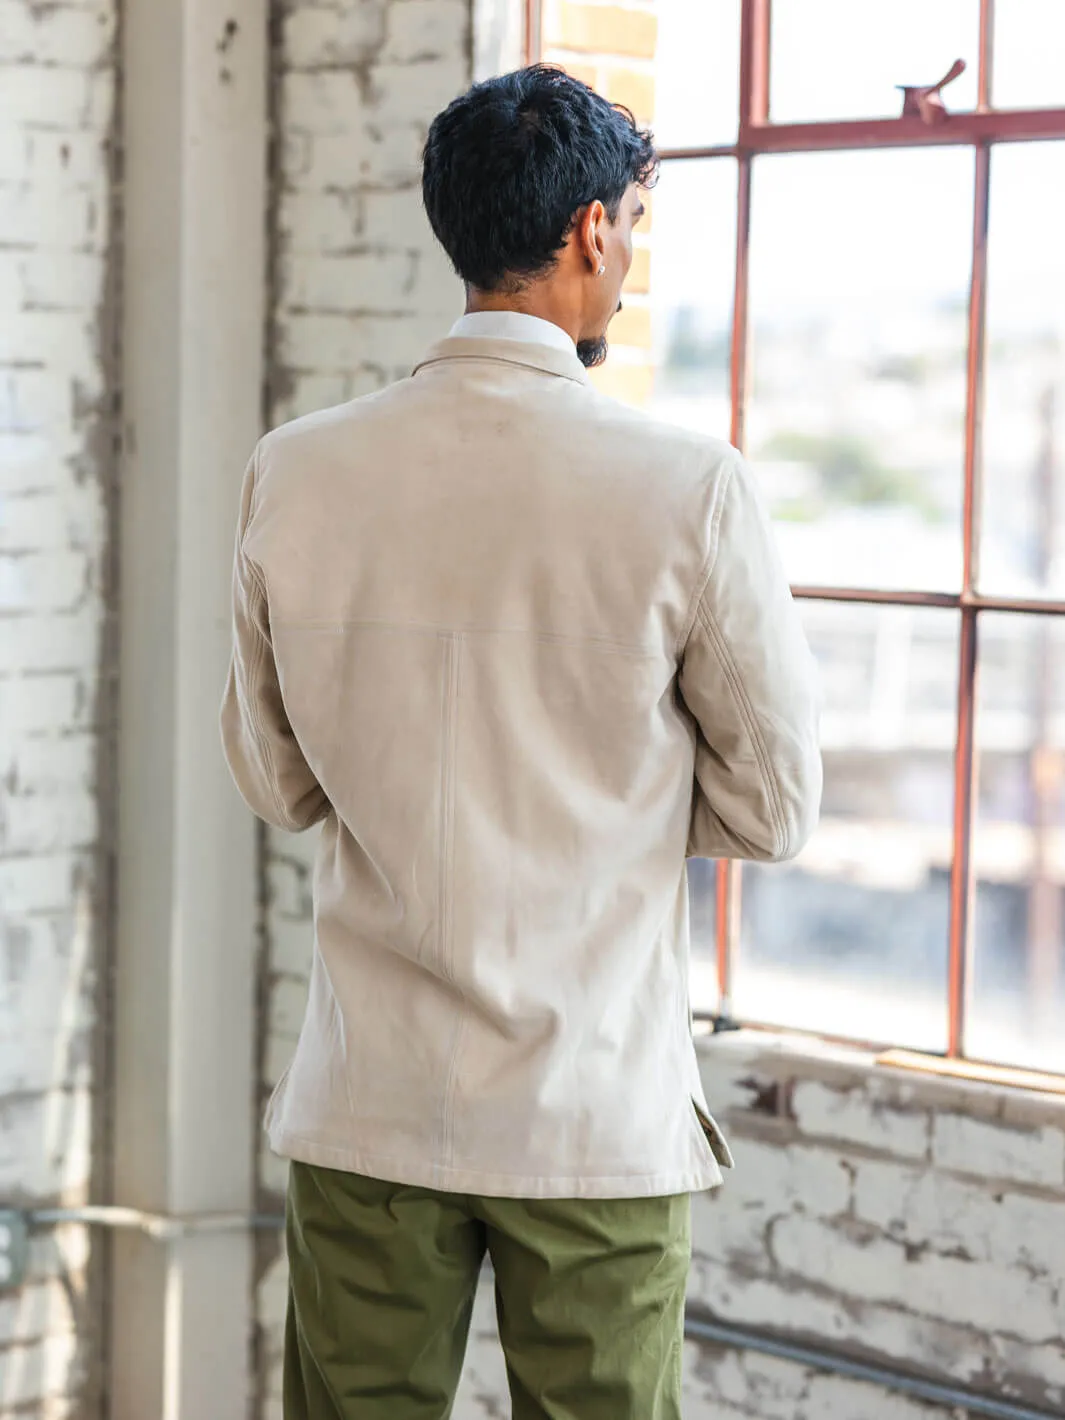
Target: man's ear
591	240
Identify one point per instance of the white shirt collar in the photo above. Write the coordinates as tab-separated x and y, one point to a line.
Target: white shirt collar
512	325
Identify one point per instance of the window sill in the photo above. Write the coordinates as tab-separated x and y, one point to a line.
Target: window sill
752	1076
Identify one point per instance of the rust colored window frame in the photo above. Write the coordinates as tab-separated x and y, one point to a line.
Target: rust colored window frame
980	130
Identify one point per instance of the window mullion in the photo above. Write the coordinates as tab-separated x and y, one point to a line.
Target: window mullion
754	63
962	878
985	76
729	883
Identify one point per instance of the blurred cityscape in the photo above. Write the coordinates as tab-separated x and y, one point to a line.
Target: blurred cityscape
859	312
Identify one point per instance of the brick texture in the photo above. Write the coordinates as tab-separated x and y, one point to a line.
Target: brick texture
603	29
906	1219
631	87
360	285
360	290
57	319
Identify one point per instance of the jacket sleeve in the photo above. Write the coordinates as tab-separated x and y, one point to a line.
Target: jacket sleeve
748	679
261	750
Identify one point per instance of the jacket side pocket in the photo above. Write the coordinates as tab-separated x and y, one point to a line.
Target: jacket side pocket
714	1137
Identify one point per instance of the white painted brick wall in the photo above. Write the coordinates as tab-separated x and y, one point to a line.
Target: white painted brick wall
57	81
361	289
910	1219
361	285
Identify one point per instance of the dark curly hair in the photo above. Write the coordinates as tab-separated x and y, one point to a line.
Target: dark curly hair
509	165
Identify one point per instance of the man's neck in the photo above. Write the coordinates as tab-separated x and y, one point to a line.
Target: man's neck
530	302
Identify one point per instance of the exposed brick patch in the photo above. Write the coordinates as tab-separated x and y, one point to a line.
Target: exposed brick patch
605	29
632	87
611	47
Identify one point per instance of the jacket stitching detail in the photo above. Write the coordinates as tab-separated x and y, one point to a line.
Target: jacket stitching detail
447	965
448	1153
429	628
456	673
708	566
255	666
746	709
262	739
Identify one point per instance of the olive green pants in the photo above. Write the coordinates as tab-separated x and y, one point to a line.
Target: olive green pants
589	1297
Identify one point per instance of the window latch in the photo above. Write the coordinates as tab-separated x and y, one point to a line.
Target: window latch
926	102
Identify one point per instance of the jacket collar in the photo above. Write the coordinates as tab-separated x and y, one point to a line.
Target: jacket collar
563	363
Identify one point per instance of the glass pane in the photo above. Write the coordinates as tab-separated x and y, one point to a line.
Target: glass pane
691	319
860	269
1018	999
851	938
1028	69
702	899
697	73
835	59
1023	524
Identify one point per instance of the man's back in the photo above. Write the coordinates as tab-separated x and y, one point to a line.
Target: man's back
513	626
520	651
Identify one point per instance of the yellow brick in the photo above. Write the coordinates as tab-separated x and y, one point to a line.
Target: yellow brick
605	29
633	88
644	224
630	383
639	277
632	326
586	73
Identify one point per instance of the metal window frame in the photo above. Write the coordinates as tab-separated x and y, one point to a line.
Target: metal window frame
980	130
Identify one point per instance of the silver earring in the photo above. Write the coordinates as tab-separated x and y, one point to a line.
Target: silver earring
601	271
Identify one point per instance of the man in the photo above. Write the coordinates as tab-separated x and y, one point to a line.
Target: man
520	650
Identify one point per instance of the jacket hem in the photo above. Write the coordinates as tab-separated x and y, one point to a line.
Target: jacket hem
389	1169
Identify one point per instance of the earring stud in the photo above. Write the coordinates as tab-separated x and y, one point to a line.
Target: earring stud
601	271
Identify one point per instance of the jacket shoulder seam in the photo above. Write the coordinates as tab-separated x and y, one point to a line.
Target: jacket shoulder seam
706	571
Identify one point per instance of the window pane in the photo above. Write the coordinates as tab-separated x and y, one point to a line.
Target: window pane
702	900
692	266
1023	524
1018	1001
836	59
851	939
860	269
1028	69
697	73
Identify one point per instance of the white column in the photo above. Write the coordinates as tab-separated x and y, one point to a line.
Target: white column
194	291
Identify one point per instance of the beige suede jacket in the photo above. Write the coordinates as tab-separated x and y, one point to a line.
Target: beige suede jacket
521	650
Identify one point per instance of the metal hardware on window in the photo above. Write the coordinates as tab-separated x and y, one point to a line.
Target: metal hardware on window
926	103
